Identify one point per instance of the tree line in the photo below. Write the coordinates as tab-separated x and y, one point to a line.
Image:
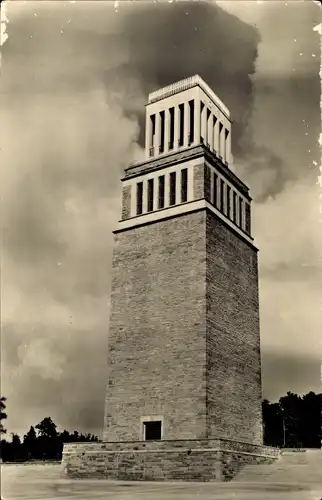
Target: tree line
293	422
41	442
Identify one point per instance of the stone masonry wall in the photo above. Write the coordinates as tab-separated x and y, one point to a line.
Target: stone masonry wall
194	460
126	202
199	181
157	343
233	343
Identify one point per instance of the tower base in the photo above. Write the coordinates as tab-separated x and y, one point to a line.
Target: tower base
184	460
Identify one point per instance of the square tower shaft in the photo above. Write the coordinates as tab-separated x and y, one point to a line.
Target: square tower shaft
184	340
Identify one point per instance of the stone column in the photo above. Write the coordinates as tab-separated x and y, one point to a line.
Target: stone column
203	123
215	134
145	196
166	189
209	130
133	198
156	193
206	126
197	124
176	128
178	187
166	130
190	184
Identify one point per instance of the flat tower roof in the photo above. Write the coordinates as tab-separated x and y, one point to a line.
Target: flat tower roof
185	84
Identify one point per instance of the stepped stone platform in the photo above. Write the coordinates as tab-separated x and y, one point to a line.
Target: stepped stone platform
186	460
303	466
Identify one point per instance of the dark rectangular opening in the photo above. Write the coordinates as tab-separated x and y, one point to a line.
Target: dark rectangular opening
161	192
161	147
139	198
247	218
226	153
240	212
215	187
172	197
181	124
152	430
222	194
152	134
235	207
184	185
192	122
219	140
150	195
171	135
228	201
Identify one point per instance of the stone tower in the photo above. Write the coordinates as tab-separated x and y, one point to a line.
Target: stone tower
184	365
184	346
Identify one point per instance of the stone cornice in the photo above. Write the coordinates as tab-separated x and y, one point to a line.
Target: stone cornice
188	83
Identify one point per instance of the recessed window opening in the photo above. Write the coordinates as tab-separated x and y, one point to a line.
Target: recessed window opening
191	122
184	185
150	195
219	140
161	192
139	198
226	145
215	187
228	201
247	218
235	207
222	194
152	430
152	134
172	197
240	212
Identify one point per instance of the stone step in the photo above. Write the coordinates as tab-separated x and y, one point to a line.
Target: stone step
291	467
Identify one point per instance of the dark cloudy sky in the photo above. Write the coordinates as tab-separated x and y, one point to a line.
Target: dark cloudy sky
75	77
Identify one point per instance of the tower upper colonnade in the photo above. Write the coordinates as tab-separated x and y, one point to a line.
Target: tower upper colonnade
187	113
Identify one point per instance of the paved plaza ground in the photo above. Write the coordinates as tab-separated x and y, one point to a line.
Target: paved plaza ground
40	482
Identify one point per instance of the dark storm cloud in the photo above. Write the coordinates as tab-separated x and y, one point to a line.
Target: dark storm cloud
293	115
285	124
168	42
